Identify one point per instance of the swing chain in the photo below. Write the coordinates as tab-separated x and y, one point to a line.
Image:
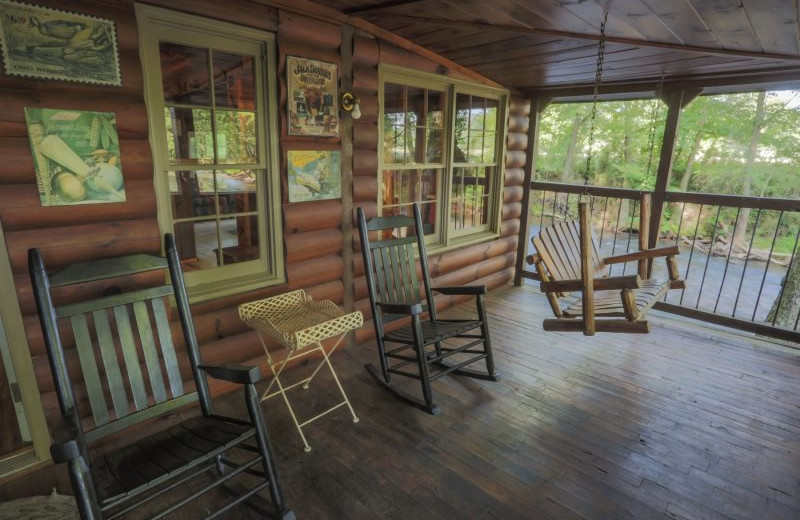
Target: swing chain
601	50
656	111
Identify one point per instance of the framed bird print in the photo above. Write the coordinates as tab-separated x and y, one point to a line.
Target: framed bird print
45	43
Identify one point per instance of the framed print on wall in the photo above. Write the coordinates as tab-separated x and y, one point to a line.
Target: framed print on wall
314	174
312	98
45	43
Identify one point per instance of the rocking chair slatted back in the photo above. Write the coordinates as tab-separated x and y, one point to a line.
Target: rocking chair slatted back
112	334
394	266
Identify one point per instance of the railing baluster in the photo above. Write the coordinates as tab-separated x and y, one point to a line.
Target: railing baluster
566	208
691	252
541	213
788	270
708	257
746	261
616	232
728	259
603	222
630	232
766	268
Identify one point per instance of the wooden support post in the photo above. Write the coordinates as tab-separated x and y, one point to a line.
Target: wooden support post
675	100
346	124
538	105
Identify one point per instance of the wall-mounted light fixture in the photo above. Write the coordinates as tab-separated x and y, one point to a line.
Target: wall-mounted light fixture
351	103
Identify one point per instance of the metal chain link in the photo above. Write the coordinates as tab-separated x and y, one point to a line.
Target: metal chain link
601	51
656	111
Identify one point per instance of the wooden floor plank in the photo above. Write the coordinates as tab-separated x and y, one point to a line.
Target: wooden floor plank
687	422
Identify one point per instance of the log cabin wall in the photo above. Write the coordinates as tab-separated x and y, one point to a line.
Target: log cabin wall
311	230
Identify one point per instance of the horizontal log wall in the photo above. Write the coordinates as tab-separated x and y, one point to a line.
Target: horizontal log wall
311	230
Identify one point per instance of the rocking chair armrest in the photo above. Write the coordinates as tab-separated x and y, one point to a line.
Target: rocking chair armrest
466	289
410	309
242	374
656	252
67	440
609	283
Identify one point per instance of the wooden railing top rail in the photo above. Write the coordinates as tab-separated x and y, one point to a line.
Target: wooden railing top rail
579	189
733	201
709	199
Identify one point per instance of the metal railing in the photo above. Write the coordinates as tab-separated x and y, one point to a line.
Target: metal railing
733	284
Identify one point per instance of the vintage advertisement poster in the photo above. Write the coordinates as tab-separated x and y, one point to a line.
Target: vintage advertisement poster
39	42
312	102
314	175
76	155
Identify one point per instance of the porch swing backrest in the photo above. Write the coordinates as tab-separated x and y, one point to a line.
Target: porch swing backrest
559	246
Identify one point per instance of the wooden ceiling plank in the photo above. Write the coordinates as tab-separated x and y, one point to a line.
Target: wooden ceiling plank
380	6
592	12
682	19
612	39
775	24
727	20
521	50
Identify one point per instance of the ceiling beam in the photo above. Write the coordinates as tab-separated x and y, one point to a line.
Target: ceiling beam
596	37
382	5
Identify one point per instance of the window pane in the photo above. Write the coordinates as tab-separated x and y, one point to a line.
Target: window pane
393	124
469	206
436	107
189	138
476	146
192	194
239	239
233	80
408	186
461	130
184	74
196	242
237	191
236	137
427	212
435	145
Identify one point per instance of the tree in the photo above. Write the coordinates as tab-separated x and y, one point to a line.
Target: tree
744	215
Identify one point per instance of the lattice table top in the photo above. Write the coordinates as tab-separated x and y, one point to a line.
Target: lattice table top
296	321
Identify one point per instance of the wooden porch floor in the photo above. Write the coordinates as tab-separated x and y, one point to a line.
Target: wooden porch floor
686	422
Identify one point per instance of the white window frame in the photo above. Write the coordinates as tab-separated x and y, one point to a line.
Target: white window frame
157	25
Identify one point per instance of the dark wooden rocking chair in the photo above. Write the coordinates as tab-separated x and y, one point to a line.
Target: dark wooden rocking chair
567	259
395	294
119	348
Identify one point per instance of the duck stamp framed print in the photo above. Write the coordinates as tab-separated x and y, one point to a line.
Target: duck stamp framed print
313	102
45	43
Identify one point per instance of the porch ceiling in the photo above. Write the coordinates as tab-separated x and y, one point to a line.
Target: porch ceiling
552	44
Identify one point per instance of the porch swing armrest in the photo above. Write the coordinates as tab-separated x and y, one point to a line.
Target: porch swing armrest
67	440
466	289
233	373
607	283
409	309
656	252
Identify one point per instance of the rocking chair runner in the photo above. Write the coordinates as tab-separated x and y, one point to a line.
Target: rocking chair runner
394	293
567	260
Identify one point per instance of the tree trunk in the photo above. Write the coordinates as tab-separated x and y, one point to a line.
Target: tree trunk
569	160
786	307
744	214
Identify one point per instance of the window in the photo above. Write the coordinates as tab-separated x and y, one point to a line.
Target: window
441	144
210	111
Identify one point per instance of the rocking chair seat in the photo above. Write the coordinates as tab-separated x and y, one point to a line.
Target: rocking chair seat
432	331
165	455
608	303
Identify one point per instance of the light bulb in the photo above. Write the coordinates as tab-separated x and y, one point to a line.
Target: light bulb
356	113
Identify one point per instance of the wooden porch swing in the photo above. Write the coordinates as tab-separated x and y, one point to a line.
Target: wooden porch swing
567	260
